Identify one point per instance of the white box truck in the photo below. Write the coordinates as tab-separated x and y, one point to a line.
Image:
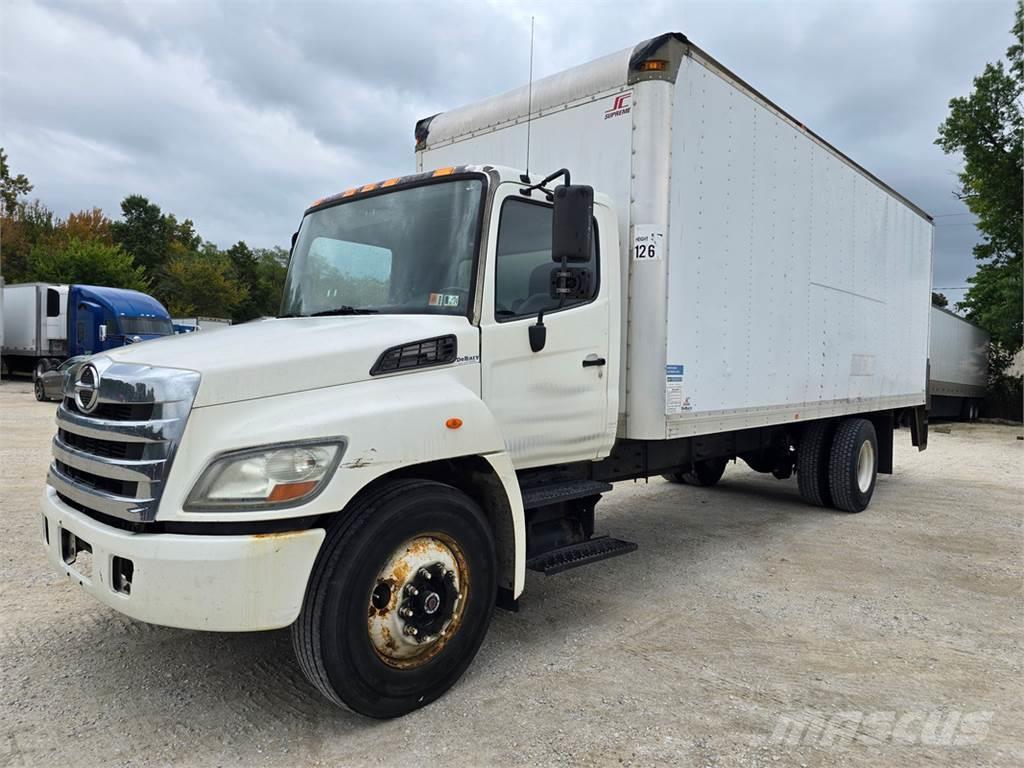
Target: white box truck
468	357
958	376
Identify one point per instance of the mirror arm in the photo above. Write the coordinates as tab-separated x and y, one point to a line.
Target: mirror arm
538	333
544	182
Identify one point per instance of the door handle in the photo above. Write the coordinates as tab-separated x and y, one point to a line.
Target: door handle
593	360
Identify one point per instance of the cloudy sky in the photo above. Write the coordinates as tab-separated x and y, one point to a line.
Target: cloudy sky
238	114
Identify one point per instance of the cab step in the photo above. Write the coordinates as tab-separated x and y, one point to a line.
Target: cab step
554	493
575	555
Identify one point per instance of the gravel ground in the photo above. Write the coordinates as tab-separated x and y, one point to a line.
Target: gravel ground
749	629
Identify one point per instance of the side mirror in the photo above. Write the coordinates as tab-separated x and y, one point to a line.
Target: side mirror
103	332
571	284
572	225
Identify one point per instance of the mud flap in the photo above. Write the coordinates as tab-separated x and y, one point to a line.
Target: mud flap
919	427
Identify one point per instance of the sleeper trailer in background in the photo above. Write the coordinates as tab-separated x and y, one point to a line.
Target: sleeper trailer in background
958	377
47	323
467	358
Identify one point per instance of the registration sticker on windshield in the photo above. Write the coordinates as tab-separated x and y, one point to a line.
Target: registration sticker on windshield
443	300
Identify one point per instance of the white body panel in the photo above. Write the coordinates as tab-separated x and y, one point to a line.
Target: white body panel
27	328
797	287
223	583
548	407
958	353
788	283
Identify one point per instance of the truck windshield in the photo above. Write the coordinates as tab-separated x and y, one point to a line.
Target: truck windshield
407	251
145	326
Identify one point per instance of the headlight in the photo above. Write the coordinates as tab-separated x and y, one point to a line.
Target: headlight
268	477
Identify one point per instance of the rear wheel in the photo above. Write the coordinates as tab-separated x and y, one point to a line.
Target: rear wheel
704	472
853	465
812	463
399	599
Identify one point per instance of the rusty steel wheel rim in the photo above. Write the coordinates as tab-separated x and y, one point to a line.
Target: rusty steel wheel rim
416	602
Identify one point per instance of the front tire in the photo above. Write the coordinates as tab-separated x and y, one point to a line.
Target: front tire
399	599
853	465
40	390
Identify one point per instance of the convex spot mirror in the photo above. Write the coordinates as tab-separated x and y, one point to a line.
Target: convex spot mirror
572	226
572	283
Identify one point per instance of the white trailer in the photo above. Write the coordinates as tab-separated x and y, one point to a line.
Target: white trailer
35	323
958	376
468	357
1	323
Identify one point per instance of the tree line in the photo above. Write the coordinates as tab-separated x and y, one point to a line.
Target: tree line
986	128
146	250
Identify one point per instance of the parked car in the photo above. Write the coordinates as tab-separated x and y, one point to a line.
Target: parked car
50	384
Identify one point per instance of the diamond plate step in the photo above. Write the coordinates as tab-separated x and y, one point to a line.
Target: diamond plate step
575	555
553	493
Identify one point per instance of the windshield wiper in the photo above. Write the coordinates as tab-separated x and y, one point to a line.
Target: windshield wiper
345	310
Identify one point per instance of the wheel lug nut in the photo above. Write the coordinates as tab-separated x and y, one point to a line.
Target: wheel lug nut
423	573
411	631
411	590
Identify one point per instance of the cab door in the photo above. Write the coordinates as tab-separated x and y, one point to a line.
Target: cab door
560	403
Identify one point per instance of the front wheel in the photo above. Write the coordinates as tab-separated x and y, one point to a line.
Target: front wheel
399	599
40	390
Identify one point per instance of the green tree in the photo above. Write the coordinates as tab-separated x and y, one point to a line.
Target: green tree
91	262
11	187
20	231
273	266
262	272
152	237
142	232
201	283
987	129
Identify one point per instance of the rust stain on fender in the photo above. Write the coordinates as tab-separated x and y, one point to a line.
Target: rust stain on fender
279	535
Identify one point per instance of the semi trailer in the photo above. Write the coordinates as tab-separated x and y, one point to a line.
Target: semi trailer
47	323
958	376
468	358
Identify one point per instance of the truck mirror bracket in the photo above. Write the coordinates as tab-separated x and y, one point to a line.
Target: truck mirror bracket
538	333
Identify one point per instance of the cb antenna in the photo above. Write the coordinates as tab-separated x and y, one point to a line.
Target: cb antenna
529	105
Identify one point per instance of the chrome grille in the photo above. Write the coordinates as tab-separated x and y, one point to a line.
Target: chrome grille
114	460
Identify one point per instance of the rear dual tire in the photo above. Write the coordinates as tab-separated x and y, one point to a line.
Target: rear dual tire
837	464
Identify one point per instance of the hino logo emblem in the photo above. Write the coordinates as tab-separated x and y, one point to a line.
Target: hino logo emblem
87	388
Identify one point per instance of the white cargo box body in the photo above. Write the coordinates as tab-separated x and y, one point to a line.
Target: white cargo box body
35	319
958	356
786	282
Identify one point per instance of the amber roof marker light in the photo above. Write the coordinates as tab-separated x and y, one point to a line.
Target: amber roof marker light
653	65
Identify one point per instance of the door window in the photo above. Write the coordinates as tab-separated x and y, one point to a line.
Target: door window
522	277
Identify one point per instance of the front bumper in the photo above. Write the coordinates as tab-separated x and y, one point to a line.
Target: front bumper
218	583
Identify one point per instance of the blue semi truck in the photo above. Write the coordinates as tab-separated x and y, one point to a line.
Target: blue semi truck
46	323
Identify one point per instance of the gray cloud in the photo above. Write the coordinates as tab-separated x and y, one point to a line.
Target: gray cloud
238	114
